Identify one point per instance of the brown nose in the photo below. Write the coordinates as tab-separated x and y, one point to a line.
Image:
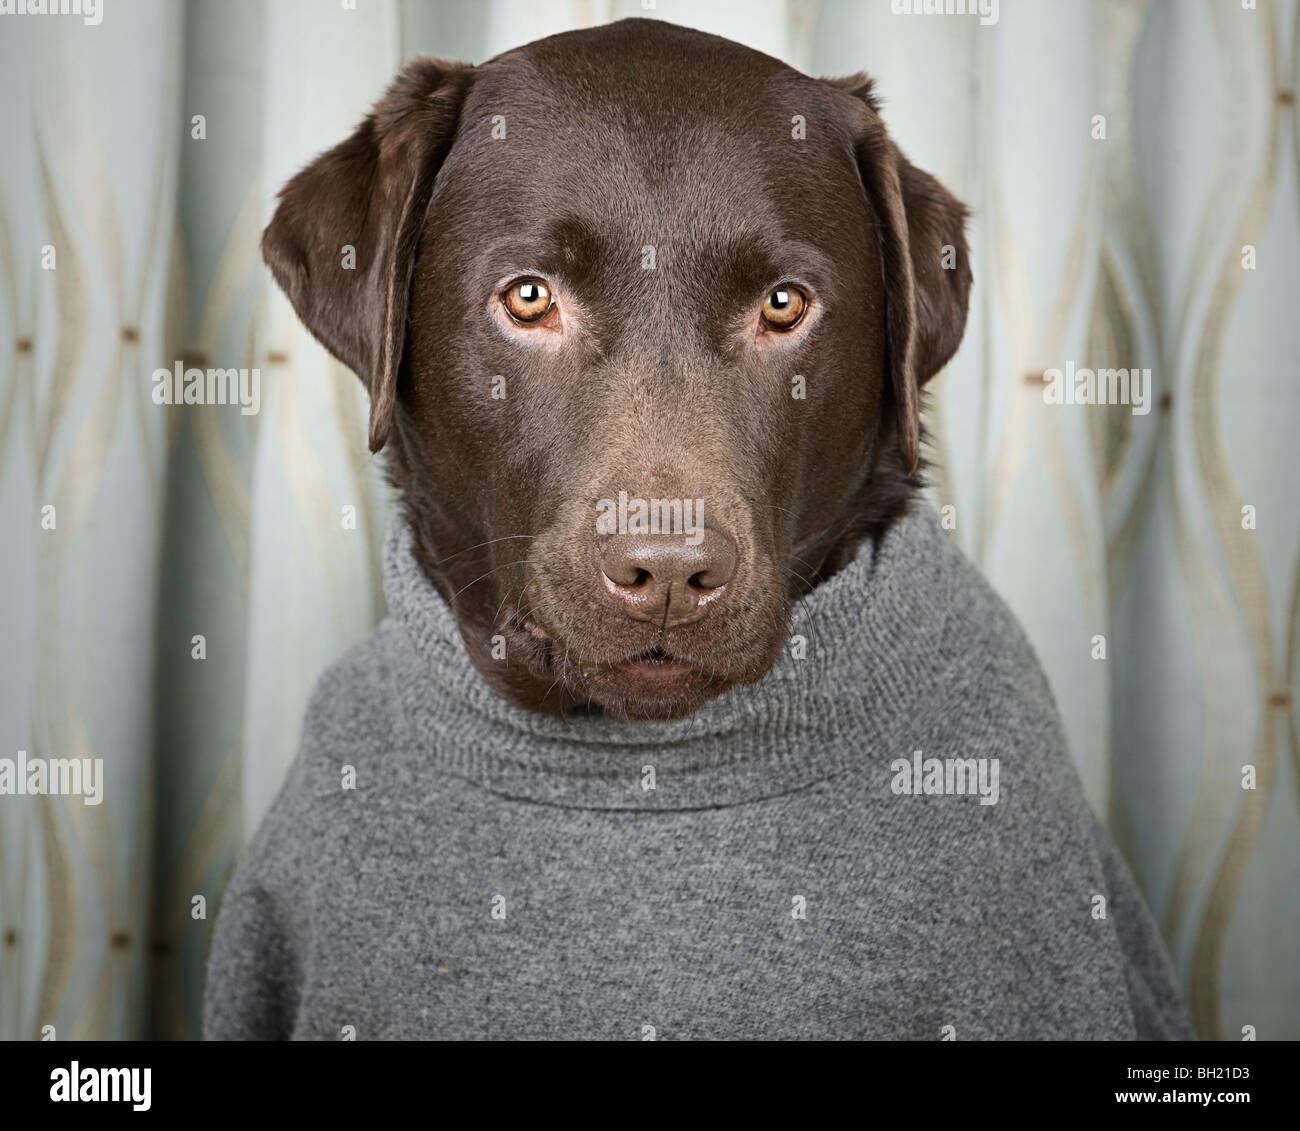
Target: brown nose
663	578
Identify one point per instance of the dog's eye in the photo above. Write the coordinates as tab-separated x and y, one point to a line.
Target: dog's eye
528	300
784	307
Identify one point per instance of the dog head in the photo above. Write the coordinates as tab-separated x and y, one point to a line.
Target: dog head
644	316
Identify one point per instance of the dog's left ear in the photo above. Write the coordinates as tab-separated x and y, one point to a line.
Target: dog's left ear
924	260
342	242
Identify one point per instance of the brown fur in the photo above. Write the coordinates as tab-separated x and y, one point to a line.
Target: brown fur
617	137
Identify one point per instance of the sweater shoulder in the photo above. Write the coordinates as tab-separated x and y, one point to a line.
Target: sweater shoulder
980	688
985	644
353	699
353	723
355	692
351	720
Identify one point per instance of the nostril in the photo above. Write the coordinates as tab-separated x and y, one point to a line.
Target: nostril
627	578
705	581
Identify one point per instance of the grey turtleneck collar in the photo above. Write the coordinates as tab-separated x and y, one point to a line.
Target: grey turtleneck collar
871	660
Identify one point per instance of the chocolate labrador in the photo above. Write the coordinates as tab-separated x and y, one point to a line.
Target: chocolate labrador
644	317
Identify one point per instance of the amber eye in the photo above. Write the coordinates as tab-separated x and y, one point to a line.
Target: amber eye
528	300
784	307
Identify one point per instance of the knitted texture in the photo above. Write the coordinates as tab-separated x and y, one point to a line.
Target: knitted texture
771	867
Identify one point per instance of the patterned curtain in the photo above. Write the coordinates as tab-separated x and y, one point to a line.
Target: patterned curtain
175	577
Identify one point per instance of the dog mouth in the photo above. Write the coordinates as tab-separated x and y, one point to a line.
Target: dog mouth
653	674
653	666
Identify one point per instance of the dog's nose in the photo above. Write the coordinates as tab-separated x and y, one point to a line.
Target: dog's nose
663	578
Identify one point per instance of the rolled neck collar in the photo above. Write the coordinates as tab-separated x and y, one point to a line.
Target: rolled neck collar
870	641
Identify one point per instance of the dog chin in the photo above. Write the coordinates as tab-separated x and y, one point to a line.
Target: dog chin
636	708
647	686
647	695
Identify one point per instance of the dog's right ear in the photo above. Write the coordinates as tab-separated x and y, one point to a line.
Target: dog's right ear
368	194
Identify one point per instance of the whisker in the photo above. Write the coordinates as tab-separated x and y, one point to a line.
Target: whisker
521	561
492	542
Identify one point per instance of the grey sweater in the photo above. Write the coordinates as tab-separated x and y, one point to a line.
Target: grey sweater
884	838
